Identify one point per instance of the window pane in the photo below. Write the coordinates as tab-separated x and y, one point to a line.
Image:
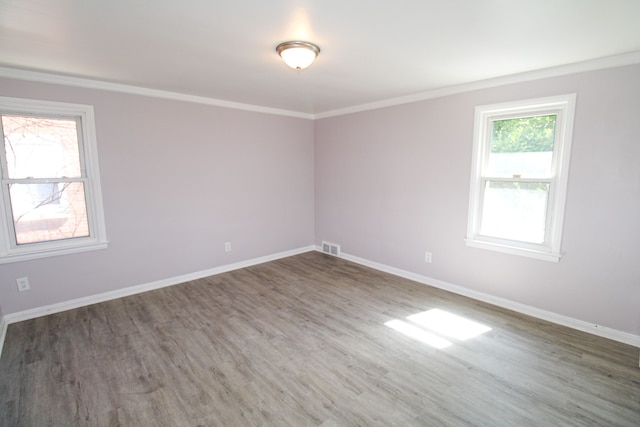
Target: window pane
515	211
41	147
522	147
51	211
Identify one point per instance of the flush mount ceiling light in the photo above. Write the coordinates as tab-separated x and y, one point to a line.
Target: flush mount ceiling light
298	55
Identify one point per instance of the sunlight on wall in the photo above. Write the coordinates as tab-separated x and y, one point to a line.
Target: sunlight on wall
430	326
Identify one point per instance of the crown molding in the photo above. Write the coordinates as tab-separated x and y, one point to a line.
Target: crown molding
40	77
578	67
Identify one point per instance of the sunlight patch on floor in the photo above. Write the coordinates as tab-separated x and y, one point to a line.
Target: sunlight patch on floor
418	333
431	326
448	324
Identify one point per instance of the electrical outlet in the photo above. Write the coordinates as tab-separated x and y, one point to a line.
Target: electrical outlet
227	246
427	256
23	284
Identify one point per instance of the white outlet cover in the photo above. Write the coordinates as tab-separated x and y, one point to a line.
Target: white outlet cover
23	284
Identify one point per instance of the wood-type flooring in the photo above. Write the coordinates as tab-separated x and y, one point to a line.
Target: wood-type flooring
302	341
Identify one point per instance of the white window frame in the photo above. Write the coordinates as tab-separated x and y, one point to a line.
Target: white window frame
564	107
10	251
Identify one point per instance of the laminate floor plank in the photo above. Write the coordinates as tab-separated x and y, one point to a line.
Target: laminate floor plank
302	341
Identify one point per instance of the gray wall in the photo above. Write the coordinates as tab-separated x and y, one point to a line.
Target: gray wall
393	183
178	180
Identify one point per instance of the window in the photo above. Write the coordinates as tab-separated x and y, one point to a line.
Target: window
50	201
519	176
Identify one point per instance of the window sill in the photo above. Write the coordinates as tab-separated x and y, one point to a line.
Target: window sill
512	250
17	256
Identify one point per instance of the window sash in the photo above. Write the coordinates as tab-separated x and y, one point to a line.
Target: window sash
79	143
10	214
520	242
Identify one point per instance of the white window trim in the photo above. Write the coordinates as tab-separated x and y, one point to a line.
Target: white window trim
551	249
97	239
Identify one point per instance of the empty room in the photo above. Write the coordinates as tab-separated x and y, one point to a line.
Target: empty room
305	213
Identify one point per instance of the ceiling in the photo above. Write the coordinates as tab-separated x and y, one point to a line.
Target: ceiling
371	51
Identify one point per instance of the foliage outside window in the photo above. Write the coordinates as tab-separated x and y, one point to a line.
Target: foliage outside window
519	176
50	198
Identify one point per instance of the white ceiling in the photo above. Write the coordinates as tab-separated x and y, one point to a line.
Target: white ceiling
371	51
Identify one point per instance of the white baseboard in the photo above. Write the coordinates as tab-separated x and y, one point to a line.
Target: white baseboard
3	332
598	330
106	296
602	331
